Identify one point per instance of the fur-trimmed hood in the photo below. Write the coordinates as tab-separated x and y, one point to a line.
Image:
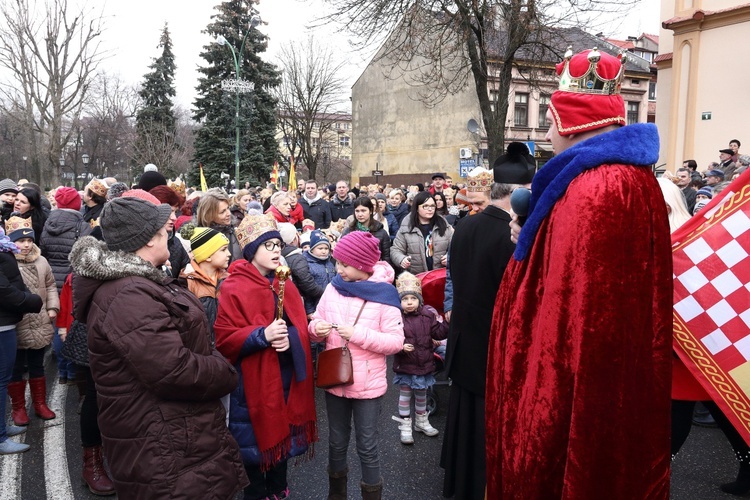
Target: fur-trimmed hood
93	264
34	254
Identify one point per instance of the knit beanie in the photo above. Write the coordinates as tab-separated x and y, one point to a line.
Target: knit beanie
204	241
358	249
705	191
18	227
150	180
143	195
254	208
68	197
116	190
129	223
287	232
253	231
318	238
8	186
408	284
462	198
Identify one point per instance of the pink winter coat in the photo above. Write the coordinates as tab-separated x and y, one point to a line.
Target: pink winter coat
378	333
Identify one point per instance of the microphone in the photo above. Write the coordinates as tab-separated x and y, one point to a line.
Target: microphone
519	202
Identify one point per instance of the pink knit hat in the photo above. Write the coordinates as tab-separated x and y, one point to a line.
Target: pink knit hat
358	249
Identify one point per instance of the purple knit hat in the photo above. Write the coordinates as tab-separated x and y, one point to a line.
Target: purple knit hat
358	249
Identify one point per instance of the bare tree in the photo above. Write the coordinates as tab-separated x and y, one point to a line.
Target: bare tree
51	53
441	47
311	91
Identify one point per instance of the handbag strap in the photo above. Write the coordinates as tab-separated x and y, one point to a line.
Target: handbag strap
346	342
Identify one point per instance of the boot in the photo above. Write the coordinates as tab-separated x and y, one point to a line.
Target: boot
39	398
8	447
372	491
94	474
337	484
742	484
17	393
405	428
12	430
422	424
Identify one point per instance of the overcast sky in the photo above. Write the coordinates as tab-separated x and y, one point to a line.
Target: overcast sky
134	27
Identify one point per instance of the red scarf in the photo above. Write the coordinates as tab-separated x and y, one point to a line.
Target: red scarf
277	215
246	303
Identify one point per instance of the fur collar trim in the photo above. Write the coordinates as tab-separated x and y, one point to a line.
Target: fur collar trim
92	259
32	256
636	144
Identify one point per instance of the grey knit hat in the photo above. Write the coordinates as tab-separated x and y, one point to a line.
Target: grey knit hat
129	223
7	185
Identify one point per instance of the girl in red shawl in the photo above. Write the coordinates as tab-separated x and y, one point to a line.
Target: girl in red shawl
281	207
272	410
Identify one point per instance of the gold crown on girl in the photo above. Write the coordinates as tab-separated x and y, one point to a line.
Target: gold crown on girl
591	82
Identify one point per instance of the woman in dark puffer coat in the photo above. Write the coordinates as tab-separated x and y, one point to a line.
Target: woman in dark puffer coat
158	380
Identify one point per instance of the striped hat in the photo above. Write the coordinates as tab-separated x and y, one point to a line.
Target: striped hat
204	242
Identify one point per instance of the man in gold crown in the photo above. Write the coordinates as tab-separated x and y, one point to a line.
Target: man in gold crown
479	252
578	382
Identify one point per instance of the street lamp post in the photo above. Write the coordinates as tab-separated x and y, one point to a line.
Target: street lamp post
62	164
239	86
25	170
85	160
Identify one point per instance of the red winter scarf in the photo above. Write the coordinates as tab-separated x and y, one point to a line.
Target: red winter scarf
247	303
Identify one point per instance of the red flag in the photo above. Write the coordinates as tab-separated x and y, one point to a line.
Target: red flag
711	254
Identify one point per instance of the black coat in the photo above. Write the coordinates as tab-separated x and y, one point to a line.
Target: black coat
15	298
301	276
62	229
318	211
480	250
178	256
341	209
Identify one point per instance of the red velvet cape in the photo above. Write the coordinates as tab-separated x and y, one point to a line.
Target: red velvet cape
578	378
246	303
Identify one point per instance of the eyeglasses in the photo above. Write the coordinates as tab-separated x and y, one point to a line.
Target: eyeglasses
428	207
273	245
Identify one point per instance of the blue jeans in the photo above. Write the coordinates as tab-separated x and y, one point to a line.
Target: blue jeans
7	361
366	413
65	368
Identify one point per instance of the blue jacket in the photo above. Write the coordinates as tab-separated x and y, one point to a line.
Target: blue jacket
239	416
322	271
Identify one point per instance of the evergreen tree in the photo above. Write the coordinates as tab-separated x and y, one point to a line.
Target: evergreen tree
215	108
155	119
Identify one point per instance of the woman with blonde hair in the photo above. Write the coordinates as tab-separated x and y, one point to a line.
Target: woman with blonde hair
239	206
281	207
676	206
213	211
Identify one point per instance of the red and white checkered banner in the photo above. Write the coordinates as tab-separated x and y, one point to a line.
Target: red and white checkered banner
712	300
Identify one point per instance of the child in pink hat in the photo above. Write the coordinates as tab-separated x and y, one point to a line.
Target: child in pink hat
359	309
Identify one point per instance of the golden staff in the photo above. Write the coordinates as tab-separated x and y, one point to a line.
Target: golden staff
282	274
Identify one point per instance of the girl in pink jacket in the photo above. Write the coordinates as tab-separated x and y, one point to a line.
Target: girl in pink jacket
360	307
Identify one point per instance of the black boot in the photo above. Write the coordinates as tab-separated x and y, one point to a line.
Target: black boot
337	484
742	484
372	491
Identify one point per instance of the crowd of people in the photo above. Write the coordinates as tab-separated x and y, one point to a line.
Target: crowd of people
196	355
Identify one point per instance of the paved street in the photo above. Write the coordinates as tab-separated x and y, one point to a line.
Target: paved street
52	468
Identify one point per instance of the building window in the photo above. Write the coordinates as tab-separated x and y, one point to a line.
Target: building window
344	141
543	106
651	91
632	112
521	110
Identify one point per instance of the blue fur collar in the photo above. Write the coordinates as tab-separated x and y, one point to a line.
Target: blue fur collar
636	144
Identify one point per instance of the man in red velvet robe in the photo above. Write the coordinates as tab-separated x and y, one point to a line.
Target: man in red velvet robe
578	379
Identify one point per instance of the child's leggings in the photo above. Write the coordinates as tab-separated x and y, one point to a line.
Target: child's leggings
404	401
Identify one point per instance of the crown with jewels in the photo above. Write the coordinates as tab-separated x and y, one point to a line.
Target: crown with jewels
407	284
480	180
592	81
178	186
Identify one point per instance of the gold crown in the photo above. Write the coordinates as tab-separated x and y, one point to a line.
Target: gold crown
252	226
407	284
178	186
591	82
480	180
15	223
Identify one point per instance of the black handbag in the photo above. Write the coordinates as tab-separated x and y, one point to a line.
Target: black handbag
76	348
